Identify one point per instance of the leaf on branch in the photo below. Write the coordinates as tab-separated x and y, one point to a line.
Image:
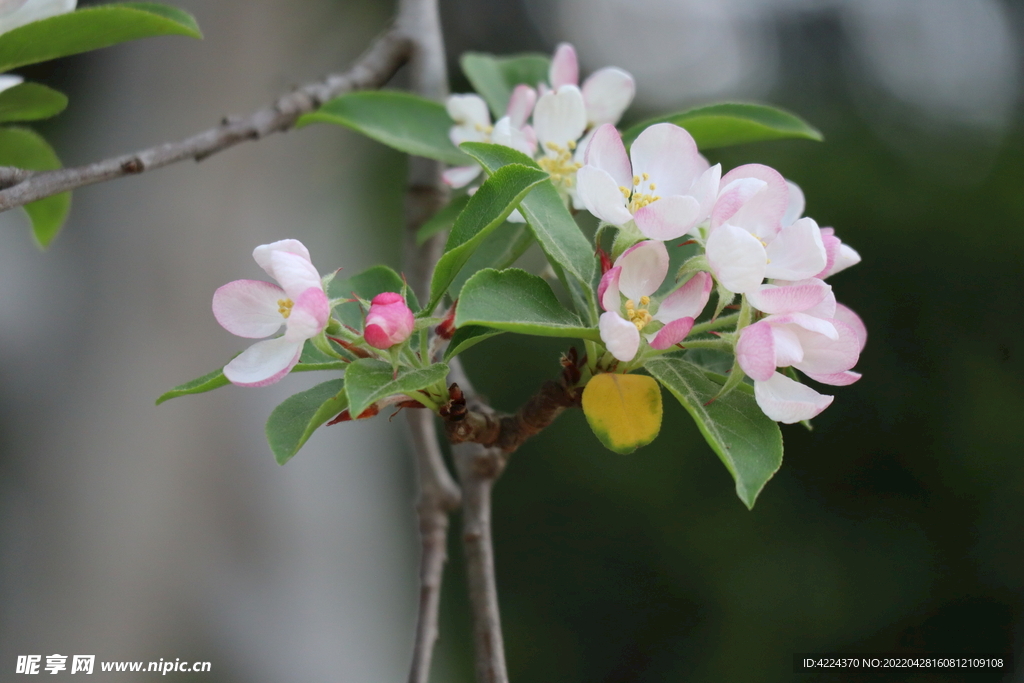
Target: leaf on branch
721	125
516	301
30	102
493	78
468	337
292	422
22	148
366	285
442	221
624	411
553	226
368	381
486	210
499	250
745	439
91	28
408	123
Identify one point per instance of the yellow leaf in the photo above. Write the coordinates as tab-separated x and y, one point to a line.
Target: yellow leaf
623	410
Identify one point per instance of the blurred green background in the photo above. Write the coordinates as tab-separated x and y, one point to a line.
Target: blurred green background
897	525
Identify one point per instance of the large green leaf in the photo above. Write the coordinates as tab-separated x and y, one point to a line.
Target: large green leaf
368	381
408	123
467	337
23	148
721	125
746	440
493	78
30	102
516	301
499	250
553	226
487	209
292	423
366	285
91	28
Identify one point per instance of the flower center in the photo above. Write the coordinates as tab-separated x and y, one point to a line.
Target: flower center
636	196
284	307
639	316
561	167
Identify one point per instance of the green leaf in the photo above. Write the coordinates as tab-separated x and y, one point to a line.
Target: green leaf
408	123
292	423
553	226
23	148
746	440
30	102
441	221
200	385
516	301
366	285
493	78
499	250
368	381
487	209
721	125
91	28
467	337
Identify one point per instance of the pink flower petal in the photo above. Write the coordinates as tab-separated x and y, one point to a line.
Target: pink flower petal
755	351
795	207
846	257
762	213
787	401
831	244
797	252
792	299
839	379
669	156
824	356
309	315
644	267
560	117
737	258
671	334
668	218
606	152
608	290
521	104
687	301
607	93
249	308
565	68
619	335
807	322
846	316
460	176
732	197
262	254
294	273
389	321
505	134
263	363
788	350
601	195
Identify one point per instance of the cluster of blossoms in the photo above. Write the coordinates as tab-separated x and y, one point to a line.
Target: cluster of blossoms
255	309
748	222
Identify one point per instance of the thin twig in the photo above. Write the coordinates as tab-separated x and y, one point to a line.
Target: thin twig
373	69
420	22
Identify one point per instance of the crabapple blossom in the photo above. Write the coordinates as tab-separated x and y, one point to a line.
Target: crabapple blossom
607	92
255	309
663	186
15	13
638	273
473	124
388	322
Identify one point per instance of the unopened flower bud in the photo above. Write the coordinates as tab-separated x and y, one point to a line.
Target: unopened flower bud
389	321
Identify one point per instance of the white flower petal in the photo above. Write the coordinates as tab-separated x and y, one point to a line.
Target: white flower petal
468	109
560	117
737	258
565	67
520	105
797	253
30	11
824	356
644	267
787	401
705	191
669	157
846	257
607	93
249	308
294	273
262	253
263	363
309	315
460	176
606	152
505	134
795	207
793	298
687	301
846	316
668	218
9	81
762	213
619	335
608	290
601	195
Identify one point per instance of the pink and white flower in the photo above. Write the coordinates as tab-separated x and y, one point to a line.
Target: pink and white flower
637	274
473	124
750	238
15	13
388	322
664	186
607	92
255	309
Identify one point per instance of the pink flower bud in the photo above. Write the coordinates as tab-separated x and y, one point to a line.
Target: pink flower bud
389	321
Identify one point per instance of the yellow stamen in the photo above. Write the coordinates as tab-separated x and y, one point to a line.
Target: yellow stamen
284	307
560	167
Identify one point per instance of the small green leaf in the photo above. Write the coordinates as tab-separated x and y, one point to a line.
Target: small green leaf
368	381
405	122
516	301
366	285
487	209
553	226
499	250
721	125
441	221
624	411
292	422
493	78
91	28
467	337
23	148
747	441
30	102
200	385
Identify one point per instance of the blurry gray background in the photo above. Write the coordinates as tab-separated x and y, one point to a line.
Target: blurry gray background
134	532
